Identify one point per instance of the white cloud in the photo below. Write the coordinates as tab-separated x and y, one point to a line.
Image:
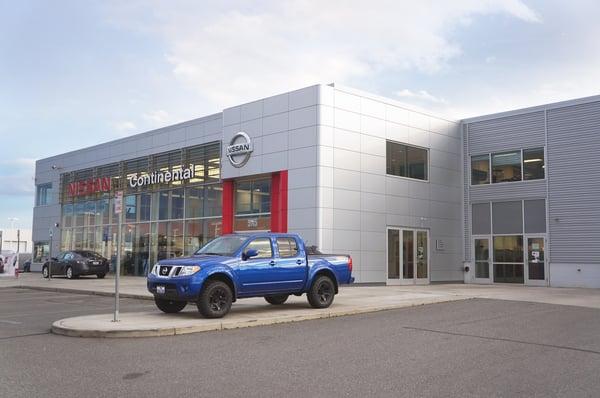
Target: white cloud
420	95
158	116
237	51
124	126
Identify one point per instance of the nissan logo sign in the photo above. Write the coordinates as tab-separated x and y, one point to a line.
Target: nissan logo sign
239	149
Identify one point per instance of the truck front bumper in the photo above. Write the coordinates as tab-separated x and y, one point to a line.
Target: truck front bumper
181	289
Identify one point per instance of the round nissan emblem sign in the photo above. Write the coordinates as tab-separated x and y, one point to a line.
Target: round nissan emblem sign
239	149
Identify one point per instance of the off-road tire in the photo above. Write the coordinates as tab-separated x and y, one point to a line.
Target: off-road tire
215	299
321	292
100	276
278	299
169	306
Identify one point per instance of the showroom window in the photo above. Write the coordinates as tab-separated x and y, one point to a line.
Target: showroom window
406	161
506	166
43	194
253	205
533	164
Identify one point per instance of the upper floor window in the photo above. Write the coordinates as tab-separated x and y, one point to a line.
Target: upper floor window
42	197
480	169
533	164
406	161
519	165
506	166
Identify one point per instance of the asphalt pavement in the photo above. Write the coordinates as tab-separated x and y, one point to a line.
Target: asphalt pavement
476	347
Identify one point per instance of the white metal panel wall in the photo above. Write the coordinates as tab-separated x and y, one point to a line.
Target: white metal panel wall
506	133
574	185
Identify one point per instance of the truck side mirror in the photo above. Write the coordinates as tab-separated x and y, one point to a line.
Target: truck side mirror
249	254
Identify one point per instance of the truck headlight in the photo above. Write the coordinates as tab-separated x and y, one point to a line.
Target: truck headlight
154	270
189	270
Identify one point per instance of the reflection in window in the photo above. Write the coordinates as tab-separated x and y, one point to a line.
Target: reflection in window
130	208
480	169
177	204
193	202
533	164
508	249
43	194
406	161
287	247
213	200
506	166
262	246
253	197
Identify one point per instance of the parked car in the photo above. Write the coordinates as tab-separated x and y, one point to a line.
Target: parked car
75	263
269	265
27	266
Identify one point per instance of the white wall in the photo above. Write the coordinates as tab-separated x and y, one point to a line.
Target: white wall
283	130
357	200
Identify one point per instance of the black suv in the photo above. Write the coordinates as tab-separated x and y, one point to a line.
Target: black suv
74	263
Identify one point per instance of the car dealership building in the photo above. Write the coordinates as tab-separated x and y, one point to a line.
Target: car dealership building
413	198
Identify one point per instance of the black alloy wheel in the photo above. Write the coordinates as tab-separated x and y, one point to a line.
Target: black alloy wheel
215	299
45	272
277	300
169	306
321	292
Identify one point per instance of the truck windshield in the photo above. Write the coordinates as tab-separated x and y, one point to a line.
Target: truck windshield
223	246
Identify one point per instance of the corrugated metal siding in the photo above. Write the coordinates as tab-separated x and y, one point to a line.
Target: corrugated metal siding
466	206
534	189
574	184
510	132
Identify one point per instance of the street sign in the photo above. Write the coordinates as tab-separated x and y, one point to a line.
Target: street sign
118	202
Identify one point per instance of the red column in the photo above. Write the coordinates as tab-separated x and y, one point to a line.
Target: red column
227	210
279	199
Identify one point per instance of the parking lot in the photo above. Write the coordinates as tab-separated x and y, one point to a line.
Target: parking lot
476	347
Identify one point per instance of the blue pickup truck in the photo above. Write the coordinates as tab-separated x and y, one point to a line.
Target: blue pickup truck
269	265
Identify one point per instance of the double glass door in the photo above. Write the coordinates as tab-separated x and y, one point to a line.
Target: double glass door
510	259
407	256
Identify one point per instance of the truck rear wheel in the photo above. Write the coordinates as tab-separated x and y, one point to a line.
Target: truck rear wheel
278	299
321	292
215	299
169	306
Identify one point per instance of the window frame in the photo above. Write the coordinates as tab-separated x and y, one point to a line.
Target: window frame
287	238
427	163
256	257
47	189
490	154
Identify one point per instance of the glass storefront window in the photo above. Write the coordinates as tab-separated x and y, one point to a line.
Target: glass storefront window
67	220
193	202
506	166
213	200
533	164
145	203
79	214
89	222
253	197
177	204
480	169
130	208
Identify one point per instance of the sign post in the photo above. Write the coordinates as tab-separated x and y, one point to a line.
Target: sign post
119	212
50	256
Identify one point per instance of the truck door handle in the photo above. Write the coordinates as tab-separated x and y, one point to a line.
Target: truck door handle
272	262
298	261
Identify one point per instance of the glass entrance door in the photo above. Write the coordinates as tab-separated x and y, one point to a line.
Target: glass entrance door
536	264
407	256
482	259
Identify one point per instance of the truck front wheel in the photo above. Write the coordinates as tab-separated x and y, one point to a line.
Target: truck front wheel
169	306
277	300
215	299
321	292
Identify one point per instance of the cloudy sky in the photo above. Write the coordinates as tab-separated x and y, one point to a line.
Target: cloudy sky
77	73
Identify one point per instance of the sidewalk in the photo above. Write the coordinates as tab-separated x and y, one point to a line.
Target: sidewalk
255	311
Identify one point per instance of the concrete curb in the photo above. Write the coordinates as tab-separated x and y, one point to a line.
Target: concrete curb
61	327
82	291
